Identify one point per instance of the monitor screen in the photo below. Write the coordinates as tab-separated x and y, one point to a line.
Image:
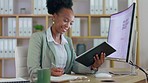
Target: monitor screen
120	33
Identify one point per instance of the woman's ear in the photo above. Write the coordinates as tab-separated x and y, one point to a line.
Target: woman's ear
52	17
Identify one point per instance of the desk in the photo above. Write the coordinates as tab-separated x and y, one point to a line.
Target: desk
139	78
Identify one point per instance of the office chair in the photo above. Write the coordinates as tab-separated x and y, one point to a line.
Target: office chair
21	62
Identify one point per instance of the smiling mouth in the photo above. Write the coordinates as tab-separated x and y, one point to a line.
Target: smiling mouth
65	29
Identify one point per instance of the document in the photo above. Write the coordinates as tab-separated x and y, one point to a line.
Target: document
87	59
14	80
66	77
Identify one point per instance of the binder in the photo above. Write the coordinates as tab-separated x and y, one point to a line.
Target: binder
10	26
100	6
6	5
92	6
73	29
106	28
1	6
25	27
21	25
35	6
115	6
1	48
110	6
39	7
5	48
14	27
29	25
14	44
107	7
77	28
96	6
102	27
1	27
10	48
44	9
10	7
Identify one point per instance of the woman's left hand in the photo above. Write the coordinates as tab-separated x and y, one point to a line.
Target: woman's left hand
98	61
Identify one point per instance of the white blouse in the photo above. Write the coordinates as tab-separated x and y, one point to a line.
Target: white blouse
61	53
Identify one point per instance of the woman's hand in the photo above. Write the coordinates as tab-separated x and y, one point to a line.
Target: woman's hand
98	62
57	71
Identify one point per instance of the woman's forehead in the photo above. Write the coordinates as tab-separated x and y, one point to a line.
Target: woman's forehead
67	13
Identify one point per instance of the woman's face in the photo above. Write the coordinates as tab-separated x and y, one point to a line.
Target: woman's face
63	20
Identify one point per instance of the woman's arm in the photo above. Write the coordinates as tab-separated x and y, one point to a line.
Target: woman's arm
34	54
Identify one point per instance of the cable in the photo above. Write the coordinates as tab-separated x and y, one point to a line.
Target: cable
131	63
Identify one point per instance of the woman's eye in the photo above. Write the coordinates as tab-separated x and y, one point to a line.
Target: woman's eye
65	20
71	23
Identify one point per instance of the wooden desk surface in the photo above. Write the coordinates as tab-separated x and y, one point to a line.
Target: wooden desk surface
139	78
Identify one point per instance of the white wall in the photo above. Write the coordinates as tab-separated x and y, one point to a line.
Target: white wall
143	28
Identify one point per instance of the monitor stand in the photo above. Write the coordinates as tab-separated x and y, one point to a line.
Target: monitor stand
133	54
132	58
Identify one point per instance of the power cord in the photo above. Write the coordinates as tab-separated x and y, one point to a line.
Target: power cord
131	63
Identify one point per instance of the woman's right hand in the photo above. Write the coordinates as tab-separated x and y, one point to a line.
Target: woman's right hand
57	71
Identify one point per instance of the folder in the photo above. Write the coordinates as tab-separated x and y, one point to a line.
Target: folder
87	58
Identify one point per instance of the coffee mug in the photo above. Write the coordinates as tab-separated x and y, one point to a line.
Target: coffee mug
43	76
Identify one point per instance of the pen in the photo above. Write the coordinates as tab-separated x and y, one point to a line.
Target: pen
53	65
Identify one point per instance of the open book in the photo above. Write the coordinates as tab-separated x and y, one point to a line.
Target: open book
87	59
66	77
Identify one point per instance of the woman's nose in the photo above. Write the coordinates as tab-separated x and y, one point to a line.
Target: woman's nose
68	25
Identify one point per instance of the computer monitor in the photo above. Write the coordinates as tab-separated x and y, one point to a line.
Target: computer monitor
121	34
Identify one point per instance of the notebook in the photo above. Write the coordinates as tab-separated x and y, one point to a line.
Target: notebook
87	59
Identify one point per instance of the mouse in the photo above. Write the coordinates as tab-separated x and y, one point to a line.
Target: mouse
103	75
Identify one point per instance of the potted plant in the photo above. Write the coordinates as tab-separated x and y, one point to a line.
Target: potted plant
38	27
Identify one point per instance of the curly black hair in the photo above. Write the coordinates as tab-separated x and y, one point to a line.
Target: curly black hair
54	6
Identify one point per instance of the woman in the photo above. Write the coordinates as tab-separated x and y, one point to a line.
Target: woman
52	47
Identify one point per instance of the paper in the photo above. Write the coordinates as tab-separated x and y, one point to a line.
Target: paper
14	80
66	77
